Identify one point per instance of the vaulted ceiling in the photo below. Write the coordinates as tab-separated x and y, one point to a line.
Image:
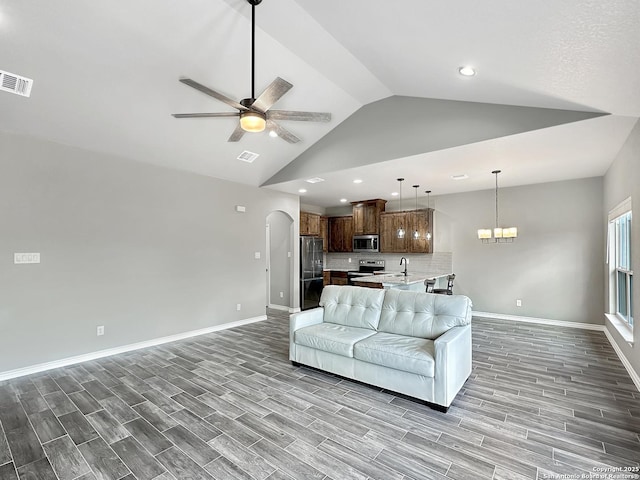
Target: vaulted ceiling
106	79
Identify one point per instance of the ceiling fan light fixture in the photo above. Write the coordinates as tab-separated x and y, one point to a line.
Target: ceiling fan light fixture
253	122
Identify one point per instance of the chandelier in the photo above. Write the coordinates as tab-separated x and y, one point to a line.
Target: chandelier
500	234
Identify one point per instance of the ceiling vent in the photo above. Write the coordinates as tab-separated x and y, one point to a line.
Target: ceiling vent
12	83
314	180
248	156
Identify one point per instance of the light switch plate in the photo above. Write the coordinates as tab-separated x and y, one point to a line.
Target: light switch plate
257	255
26	258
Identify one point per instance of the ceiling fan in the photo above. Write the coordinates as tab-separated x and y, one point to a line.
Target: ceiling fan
255	113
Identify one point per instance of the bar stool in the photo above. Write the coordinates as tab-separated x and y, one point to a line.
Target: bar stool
429	283
449	289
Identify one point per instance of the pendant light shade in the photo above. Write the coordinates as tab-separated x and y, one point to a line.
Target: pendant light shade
500	234
416	233
400	232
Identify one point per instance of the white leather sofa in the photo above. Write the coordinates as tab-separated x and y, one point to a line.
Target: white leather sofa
413	343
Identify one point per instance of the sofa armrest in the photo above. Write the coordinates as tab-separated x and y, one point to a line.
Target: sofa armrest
300	320
453	363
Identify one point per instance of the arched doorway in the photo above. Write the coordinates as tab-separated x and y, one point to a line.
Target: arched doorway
279	264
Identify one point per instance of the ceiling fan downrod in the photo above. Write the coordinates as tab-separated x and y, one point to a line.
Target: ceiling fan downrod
253	4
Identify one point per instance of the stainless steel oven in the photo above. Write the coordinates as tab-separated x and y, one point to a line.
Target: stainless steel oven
366	243
366	268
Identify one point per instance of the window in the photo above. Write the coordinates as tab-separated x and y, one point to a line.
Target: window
621	274
624	274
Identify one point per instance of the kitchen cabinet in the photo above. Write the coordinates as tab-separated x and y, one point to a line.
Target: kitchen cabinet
366	216
309	224
341	234
421	220
390	222
324	233
339	278
326	277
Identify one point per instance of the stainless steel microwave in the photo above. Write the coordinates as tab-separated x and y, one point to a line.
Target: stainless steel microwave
366	243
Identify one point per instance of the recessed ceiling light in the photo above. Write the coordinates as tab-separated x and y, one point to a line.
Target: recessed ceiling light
462	176
273	134
357	180
315	180
394	194
467	71
343	200
302	190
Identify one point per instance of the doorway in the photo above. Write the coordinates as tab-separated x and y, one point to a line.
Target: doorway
279	262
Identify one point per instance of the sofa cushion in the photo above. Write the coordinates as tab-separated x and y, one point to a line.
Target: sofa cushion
409	354
423	315
331	337
352	306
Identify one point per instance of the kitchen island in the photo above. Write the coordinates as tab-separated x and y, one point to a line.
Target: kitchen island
412	281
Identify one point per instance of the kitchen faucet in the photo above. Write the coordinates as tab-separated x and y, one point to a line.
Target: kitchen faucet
405	265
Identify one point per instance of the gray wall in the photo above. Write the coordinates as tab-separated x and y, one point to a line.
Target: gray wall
281	258
145	251
554	266
379	131
621	181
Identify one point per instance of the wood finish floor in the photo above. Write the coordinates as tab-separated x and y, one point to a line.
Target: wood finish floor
542	402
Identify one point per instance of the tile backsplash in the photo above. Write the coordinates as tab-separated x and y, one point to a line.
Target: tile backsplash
439	262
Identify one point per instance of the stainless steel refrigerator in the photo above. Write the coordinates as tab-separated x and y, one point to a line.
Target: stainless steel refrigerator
310	272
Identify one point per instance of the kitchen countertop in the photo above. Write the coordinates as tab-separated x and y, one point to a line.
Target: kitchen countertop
390	280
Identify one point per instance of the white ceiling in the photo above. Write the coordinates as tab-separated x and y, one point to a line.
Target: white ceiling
106	79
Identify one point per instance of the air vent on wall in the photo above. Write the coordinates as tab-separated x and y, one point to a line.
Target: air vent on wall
12	83
248	156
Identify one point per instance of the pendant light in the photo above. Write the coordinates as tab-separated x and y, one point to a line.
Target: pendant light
428	192
416	233
400	232
500	235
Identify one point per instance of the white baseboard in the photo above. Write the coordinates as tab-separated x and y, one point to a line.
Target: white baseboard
544	321
560	323
279	307
41	367
632	373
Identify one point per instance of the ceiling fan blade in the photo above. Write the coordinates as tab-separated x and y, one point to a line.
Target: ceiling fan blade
237	134
213	93
299	116
202	115
272	94
282	132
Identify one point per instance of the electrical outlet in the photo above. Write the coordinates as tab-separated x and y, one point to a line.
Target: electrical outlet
281	294
100	330
518	303
349	259
238	307
256	255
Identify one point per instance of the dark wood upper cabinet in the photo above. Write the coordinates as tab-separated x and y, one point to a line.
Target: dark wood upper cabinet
421	220
390	222
341	234
324	233
366	216
309	224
